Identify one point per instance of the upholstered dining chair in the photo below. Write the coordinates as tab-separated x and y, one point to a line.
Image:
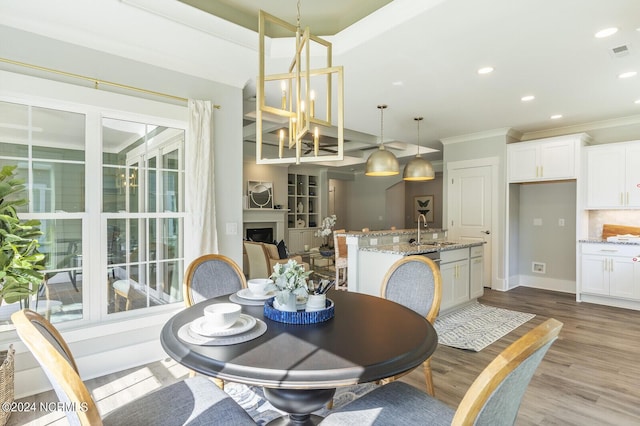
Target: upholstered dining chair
192	401
493	399
209	276
340	263
415	282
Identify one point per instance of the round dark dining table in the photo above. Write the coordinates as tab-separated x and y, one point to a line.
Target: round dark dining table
300	366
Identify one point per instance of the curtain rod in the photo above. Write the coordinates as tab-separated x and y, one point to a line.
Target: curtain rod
97	81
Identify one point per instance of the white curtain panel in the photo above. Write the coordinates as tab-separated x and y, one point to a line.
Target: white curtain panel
200	225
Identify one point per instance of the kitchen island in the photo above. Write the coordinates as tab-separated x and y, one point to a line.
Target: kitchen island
371	254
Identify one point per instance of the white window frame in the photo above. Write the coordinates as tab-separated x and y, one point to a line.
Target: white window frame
21	89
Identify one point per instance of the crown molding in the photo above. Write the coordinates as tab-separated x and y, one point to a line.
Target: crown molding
507	132
631	120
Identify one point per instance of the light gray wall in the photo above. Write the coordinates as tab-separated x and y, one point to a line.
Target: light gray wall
367	207
549	243
339	191
34	49
395	205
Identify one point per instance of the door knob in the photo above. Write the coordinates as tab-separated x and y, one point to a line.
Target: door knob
486	232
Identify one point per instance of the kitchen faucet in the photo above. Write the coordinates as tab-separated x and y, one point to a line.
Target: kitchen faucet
424	221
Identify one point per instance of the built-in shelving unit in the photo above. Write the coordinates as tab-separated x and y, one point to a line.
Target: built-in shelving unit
303	193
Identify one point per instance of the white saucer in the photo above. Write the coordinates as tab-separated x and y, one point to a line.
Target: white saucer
244	323
245	293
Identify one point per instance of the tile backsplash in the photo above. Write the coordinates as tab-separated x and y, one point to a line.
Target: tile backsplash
597	218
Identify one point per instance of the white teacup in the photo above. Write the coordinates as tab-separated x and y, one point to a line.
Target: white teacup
258	286
222	315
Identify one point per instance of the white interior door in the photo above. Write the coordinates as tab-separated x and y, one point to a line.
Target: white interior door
470	195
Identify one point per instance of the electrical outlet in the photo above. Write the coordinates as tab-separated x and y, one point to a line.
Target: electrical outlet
396	239
537	222
560	222
373	241
539	267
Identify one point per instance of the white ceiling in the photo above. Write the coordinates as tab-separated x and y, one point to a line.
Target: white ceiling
430	49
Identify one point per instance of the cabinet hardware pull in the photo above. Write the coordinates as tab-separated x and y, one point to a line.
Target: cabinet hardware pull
621	198
627	199
609	250
541	171
611	265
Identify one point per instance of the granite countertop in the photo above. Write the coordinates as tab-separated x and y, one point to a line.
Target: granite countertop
385	232
601	241
406	249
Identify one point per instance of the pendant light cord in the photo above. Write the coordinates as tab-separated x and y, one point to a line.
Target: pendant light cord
382	108
418	119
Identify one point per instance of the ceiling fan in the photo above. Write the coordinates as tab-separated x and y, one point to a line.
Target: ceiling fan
326	147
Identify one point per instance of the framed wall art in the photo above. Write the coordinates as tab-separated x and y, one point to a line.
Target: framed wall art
423	204
260	195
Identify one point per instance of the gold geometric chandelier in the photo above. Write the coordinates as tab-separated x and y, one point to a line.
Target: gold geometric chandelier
296	125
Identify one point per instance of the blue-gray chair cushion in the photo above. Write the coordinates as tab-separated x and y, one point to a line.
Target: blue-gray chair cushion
412	285
394	404
213	278
195	402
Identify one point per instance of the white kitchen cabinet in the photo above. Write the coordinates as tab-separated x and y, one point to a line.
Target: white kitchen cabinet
611	270
476	272
613	176
454	269
554	158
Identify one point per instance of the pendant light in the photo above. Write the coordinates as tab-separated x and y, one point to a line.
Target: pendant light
382	162
418	169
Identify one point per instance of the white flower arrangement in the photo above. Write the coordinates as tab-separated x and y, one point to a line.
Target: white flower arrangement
327	226
289	278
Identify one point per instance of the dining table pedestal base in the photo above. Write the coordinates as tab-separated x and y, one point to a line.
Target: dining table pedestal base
299	404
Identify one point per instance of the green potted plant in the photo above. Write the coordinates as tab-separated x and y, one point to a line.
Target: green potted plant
290	284
20	260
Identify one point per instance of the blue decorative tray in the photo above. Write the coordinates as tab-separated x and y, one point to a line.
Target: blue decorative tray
299	317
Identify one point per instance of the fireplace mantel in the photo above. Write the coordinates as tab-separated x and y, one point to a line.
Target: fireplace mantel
253	218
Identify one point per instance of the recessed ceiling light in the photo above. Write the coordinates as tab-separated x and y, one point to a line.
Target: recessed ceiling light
606	32
397	83
627	74
637	101
527	98
556	116
485	70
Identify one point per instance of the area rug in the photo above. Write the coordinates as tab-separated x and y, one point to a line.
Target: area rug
251	398
476	326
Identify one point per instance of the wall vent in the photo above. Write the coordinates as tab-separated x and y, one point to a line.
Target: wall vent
620	51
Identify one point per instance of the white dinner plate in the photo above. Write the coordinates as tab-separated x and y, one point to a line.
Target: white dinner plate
245	293
244	323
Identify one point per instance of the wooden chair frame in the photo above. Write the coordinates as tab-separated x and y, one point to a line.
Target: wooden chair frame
188	295
188	275
340	263
507	361
63	371
433	311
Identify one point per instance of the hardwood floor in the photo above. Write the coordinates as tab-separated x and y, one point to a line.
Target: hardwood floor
590	375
